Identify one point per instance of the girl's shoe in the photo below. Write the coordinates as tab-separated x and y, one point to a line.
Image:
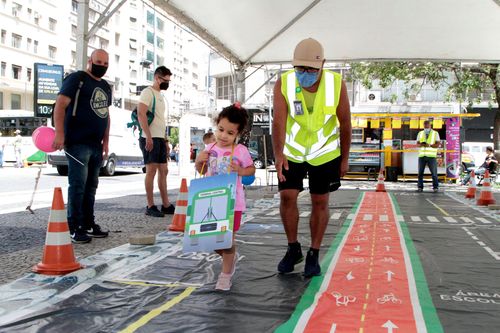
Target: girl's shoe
223	282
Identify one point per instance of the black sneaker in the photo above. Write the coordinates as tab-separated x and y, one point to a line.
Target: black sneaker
80	238
96	232
292	257
153	211
168	210
312	267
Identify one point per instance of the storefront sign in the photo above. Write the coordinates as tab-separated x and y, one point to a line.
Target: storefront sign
48	82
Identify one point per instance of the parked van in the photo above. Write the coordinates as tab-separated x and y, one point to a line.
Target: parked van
477	150
124	151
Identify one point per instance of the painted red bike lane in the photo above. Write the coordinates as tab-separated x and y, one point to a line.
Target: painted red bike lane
369	285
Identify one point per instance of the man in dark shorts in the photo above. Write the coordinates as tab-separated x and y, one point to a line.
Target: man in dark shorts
311	136
152	141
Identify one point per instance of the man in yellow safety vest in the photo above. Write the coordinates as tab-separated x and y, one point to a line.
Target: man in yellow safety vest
428	141
311	137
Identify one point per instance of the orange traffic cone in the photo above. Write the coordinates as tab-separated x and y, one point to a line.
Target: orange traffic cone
471	191
179	220
380	182
486	197
58	257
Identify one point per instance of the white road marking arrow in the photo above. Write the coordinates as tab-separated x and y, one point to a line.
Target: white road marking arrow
357	248
387	248
349	276
333	328
386	230
390	326
389	275
362	231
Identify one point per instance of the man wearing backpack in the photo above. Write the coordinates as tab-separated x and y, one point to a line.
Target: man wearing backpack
81	118
152	141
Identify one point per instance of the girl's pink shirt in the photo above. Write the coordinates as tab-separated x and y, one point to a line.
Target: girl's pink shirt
219	162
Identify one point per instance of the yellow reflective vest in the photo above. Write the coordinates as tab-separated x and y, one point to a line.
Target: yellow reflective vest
312	137
430	140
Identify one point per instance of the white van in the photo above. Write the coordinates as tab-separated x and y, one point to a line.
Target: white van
477	150
124	151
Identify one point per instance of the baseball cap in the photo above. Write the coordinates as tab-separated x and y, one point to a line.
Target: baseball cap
308	53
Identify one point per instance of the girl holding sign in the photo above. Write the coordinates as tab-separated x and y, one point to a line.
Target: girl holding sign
225	156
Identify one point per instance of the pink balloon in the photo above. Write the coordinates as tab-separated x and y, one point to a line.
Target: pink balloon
43	138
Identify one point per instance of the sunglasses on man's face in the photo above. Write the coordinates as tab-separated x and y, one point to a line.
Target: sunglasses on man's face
302	69
164	79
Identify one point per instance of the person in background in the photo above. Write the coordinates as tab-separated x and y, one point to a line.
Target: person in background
311	137
1	153
83	131
18	144
428	142
176	153
490	163
231	121
152	142
208	138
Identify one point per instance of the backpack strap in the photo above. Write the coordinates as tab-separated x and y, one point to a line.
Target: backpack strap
81	77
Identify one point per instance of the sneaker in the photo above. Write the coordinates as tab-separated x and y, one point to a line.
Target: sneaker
420	190
312	267
80	238
168	210
292	257
153	211
96	232
223	282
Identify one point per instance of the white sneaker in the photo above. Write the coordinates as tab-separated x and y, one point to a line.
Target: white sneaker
223	282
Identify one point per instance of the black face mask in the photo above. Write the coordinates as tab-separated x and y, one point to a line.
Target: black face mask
164	86
98	70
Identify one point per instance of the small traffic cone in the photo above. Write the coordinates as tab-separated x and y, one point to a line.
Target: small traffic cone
179	219
471	191
380	182
58	257
486	197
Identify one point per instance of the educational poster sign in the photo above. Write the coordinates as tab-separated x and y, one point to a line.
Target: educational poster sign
410	158
48	82
210	213
452	147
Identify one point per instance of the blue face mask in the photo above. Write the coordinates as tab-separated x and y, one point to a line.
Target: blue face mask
306	79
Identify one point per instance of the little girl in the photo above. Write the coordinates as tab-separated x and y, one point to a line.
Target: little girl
216	159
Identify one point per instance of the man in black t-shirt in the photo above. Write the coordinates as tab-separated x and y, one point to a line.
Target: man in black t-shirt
81	117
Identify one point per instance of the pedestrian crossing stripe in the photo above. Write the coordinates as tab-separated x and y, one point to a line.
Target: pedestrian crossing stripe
450	219
432	219
416	218
305	214
482	219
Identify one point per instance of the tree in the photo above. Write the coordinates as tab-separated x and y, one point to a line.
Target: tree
464	83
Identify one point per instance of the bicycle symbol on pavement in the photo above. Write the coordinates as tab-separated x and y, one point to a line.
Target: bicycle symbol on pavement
360	238
389	260
342	299
389	298
386	238
355	260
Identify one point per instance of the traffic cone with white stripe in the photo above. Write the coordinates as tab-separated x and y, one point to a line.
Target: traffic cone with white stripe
471	191
486	197
179	219
380	182
58	256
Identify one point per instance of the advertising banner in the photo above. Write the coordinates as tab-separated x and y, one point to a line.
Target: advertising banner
48	82
452	147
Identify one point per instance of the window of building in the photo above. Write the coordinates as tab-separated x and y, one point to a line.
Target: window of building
150	75
3	68
35	46
28	44
160	60
74	5
150	37
150	55
16	9
52	24
73	31
4	36
16	72
52	52
1	100
15	101
160	25
195	65
133	19
103	43
150	18
4	4
117	59
73	58
133	74
36	18
117	39
195	86
160	43
30	13
92	15
16	40
225	87
28	74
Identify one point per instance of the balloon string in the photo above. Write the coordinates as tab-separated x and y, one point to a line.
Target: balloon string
73	157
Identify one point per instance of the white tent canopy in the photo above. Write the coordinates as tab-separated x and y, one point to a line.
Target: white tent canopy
266	31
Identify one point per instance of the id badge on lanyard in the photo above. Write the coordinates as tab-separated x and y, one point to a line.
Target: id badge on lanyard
297	106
